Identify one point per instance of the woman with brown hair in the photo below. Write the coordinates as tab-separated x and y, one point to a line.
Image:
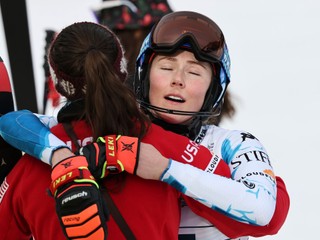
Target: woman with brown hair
88	66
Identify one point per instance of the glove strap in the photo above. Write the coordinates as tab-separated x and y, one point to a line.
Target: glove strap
128	152
120	150
111	164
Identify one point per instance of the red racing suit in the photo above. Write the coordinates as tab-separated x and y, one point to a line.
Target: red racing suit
138	199
151	208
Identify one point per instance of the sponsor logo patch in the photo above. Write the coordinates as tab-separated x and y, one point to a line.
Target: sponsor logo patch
213	164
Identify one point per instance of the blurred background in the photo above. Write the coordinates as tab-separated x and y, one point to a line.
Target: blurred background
274	48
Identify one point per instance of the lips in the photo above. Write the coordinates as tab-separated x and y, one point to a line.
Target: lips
174	98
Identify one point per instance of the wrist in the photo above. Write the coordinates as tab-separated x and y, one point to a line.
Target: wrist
60	154
166	169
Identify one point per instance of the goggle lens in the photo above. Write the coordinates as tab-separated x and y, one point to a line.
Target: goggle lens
172	28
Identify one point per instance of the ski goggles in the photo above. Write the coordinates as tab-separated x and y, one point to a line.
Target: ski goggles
175	29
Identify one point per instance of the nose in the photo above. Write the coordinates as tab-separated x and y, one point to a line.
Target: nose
178	80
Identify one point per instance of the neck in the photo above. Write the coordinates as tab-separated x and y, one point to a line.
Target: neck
191	130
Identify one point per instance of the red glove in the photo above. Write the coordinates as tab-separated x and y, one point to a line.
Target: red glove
184	150
80	208
112	154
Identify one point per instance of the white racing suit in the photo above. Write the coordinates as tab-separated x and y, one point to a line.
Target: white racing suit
249	163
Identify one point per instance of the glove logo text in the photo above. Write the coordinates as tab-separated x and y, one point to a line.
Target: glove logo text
71	219
74	196
111	146
62	179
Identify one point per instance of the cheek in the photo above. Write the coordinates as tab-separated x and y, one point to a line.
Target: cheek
199	91
156	86
199	100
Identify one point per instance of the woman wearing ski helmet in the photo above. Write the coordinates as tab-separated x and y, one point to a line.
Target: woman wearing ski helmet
200	36
182	74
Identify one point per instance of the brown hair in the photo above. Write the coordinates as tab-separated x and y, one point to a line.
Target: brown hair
87	62
132	40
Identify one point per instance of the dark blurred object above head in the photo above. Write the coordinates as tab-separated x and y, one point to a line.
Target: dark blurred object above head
131	21
133	14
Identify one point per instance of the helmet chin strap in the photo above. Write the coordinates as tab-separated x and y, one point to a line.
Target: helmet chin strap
190	130
148	106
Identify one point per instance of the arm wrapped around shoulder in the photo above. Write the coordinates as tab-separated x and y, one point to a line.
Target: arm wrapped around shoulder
184	150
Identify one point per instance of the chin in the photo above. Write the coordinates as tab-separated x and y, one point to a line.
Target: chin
173	118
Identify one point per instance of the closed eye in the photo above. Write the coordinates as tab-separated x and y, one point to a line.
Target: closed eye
194	73
165	68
